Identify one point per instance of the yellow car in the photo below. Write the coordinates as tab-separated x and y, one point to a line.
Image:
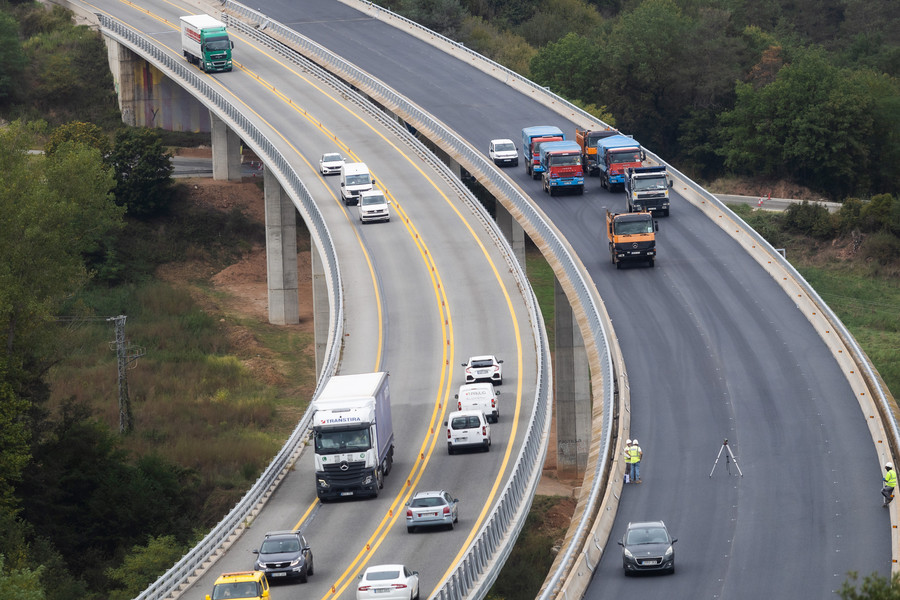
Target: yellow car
240	584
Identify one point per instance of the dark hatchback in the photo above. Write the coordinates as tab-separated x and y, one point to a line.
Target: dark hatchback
648	547
285	555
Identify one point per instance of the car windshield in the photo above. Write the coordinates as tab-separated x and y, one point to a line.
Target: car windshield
243	589
657	183
419	502
336	442
220	43
372	199
362	179
482	363
382	575
507	147
565	160
625	157
332	158
634	227
649	535
278	546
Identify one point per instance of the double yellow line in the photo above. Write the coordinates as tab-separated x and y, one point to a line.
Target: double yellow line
440	404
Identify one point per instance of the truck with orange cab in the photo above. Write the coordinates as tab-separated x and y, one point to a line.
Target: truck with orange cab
561	162
632	237
587	139
615	154
240	584
532	137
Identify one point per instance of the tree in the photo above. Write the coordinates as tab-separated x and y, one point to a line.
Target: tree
143	173
81	133
812	124
53	209
565	67
12	58
22	584
443	16
144	565
874	587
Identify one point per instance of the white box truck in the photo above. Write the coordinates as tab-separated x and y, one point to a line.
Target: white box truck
353	435
205	43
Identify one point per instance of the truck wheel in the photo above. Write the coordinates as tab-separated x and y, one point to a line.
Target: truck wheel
580	190
666	213
379	477
652	262
551	191
618	265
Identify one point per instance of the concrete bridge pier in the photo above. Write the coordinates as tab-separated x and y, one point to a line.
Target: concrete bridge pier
226	151
513	232
281	253
573	392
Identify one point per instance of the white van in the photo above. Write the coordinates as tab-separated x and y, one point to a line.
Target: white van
467	429
479	396
355	179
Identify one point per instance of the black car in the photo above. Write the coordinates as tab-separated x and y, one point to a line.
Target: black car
285	555
648	547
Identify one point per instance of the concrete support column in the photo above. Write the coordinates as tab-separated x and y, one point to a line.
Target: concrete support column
281	253
226	150
513	232
321	307
122	63
573	392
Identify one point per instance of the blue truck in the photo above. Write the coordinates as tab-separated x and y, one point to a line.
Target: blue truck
614	155
561	167
532	137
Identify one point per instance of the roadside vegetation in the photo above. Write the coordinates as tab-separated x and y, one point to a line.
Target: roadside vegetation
95	226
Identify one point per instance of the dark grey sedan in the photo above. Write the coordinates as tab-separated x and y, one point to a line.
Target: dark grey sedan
284	555
648	547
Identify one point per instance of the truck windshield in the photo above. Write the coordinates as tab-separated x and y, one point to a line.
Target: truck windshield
565	160
362	179
656	183
344	440
625	157
633	227
218	43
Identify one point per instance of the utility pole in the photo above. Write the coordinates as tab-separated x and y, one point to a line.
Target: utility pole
125	355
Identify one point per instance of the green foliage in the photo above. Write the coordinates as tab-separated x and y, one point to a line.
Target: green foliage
89	500
12	59
443	16
144	565
15	436
503	47
555	18
80	133
559	66
874	587
22	584
881	213
53	209
143	173
881	247
809	219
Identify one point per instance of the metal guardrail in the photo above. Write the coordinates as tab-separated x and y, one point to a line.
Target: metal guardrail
178	71
480	566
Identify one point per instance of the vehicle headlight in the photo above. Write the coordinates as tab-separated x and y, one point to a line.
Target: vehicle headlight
296	561
323	483
669	553
367	480
628	554
260	566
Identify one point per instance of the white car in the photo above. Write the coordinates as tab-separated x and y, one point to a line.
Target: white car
503	152
331	163
484	368
467	429
388	582
373	206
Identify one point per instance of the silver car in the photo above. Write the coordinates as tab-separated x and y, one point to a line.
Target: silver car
432	509
331	163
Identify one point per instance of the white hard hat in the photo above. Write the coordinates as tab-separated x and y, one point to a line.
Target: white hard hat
627	442
888	466
634	442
